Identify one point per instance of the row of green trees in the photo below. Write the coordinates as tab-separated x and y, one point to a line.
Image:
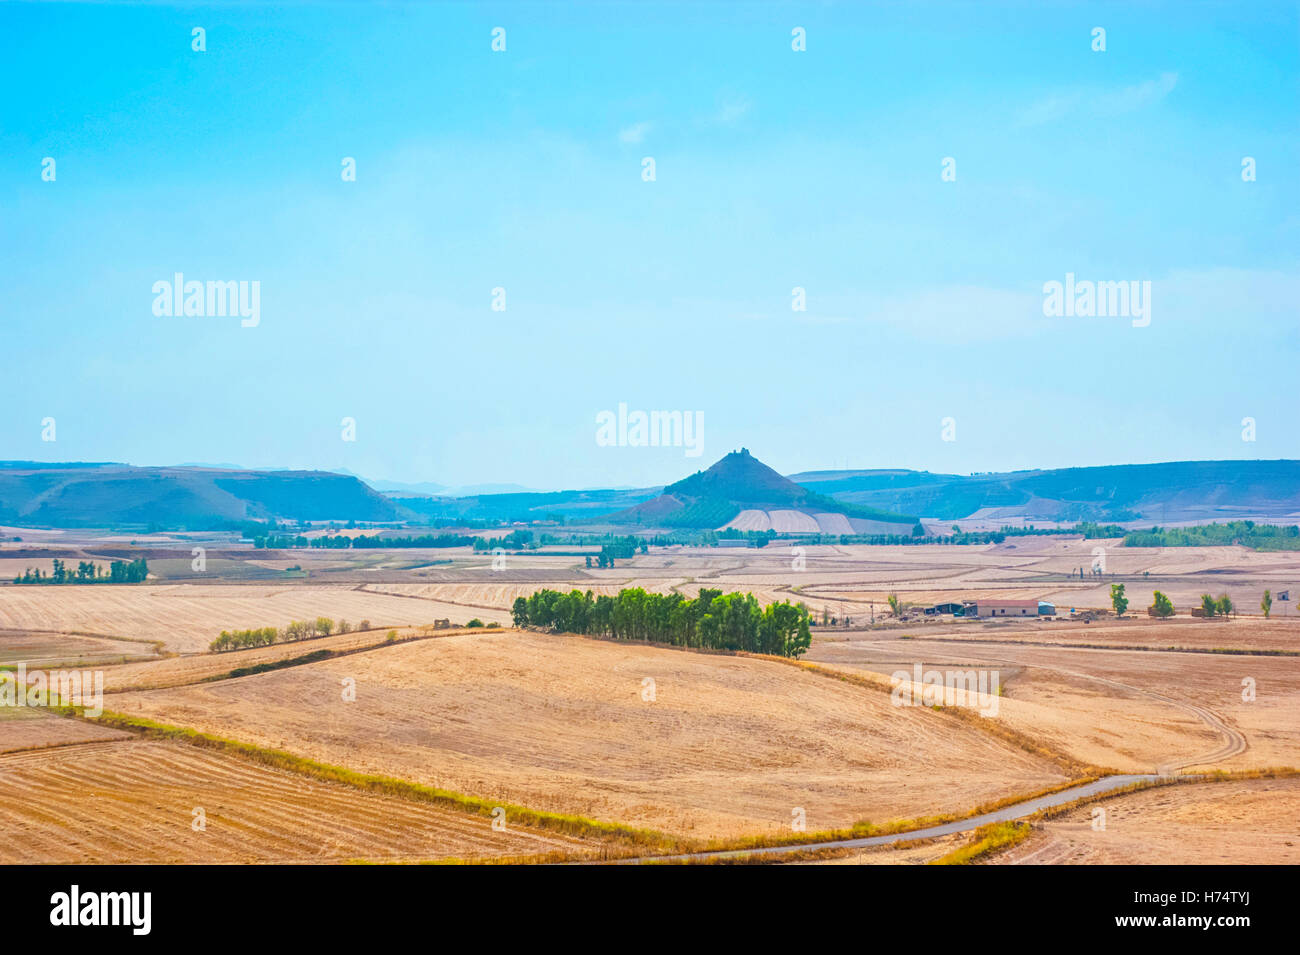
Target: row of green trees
1221	606
713	620
881	540
88	572
296	630
515	540
361	541
1246	533
620	549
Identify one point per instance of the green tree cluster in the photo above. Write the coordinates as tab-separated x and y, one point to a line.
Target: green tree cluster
1162	605
1246	533
713	620
265	636
1117	599
88	572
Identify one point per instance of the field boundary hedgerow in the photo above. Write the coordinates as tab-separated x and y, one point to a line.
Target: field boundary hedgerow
987	840
314	656
327	654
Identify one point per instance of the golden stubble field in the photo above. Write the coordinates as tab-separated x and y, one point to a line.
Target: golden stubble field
187	617
1232	822
23	729
728	746
1133	710
1239	822
132	800
195	668
52	649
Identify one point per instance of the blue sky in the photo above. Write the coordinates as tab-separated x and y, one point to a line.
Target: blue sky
775	169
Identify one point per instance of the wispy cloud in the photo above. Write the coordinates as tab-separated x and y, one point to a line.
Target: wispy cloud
732	110
1099	102
634	133
1140	96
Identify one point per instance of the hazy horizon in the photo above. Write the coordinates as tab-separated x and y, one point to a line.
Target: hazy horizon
509	487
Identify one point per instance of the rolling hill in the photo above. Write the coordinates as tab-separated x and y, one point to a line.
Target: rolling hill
741	491
98	495
1176	491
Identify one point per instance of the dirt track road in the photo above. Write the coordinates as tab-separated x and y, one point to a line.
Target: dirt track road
1006	814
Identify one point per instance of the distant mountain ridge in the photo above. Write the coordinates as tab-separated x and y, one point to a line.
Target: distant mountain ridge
114	494
737	491
1170	491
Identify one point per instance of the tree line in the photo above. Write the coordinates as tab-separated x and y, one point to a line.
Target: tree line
88	572
1220	606
1246	533
361	541
296	630
714	620
515	540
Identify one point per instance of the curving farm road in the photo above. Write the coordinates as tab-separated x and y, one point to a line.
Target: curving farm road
1018	811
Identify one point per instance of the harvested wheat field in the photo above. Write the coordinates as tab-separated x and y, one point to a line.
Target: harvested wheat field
499	596
187	617
178	671
24	729
1239	822
133	801
1253	635
1133	710
46	649
729	745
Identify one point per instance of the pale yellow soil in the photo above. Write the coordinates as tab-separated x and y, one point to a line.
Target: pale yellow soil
188	617
134	802
1137	711
1246	822
177	671
68	649
23	728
